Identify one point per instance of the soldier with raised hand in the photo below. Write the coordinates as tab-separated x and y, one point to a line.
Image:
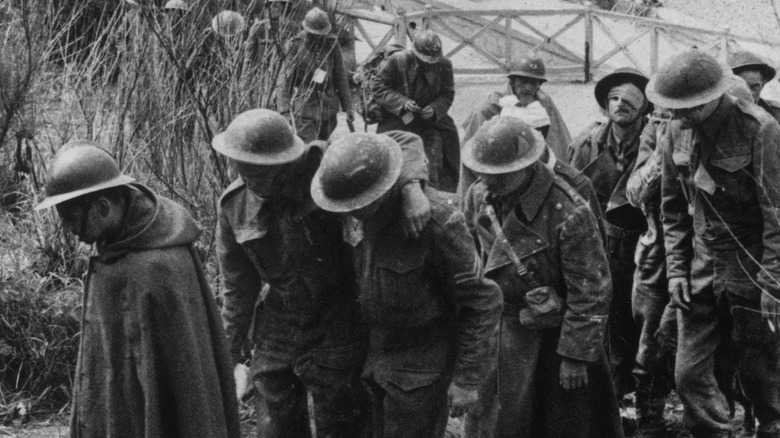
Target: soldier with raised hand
152	360
720	193
313	84
756	72
606	153
430	311
541	243
308	334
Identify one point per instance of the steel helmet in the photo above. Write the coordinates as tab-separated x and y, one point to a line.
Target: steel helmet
427	47
227	23
259	136
621	76
529	66
503	145
742	60
81	167
355	171
687	80
316	21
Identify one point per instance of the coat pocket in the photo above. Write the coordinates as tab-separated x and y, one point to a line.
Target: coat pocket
403	279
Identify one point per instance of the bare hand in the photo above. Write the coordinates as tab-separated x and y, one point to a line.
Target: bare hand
460	400
427	112
680	293
241	375
411	106
416	208
574	374
770	311
350	116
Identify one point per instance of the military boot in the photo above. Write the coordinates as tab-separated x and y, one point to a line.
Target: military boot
649	409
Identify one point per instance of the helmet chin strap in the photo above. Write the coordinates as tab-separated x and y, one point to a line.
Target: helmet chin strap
86	206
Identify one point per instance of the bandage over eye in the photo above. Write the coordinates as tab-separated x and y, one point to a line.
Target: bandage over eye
631	94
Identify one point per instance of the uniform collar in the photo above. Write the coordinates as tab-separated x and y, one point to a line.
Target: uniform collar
709	127
530	200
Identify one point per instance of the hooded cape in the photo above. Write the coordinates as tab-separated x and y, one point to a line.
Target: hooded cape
153	359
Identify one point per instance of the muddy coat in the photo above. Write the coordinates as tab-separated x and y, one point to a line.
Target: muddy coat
608	165
152	359
720	192
313	101
555	235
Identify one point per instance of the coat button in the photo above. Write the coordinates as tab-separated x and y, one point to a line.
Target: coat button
558	206
539	242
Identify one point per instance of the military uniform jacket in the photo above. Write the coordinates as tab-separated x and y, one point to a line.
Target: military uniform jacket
721	184
153	361
294	247
554	233
299	90
402	78
643	190
595	153
429	281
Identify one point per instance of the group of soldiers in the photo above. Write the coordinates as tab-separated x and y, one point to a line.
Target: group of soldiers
380	284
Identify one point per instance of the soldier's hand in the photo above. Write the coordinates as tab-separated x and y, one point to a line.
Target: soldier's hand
350	116
770	311
460	400
411	106
574	374
416	208
427	112
680	293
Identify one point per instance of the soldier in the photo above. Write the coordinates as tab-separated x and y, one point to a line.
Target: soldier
430	310
653	371
606	153
524	96
313	81
526	101
152	356
415	89
720	192
541	244
307	330
756	72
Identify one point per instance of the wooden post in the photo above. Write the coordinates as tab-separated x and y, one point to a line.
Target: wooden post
400	28
588	44
724	45
654	50
508	40
426	22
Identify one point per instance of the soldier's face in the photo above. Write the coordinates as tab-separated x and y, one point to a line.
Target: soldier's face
621	111
525	89
502	184
88	221
266	181
755	81
694	116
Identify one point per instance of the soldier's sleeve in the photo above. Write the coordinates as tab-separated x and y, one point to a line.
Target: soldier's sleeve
588	286
766	163
444	100
340	79
677	222
387	83
646	176
415	165
478	300
241	285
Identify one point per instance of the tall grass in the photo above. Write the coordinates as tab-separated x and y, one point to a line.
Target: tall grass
153	87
